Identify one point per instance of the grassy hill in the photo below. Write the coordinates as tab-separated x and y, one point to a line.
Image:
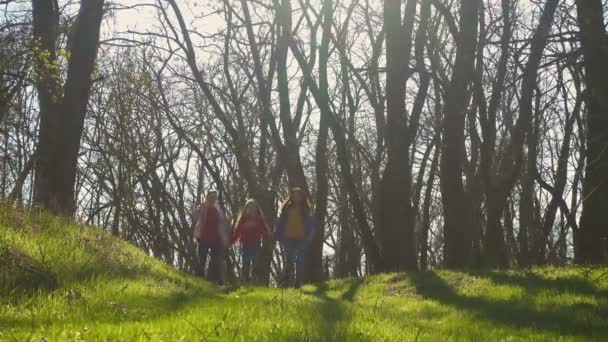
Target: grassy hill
64	281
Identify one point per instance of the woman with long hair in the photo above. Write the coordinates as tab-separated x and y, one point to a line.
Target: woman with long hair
295	229
251	228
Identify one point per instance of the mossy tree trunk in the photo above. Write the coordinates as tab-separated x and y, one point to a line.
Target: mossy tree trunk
62	109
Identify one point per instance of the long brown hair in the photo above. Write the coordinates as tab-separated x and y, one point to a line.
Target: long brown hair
289	202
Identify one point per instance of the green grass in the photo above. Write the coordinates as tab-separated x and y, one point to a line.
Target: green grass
109	290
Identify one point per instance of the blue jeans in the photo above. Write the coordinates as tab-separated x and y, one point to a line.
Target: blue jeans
295	253
249	252
213	248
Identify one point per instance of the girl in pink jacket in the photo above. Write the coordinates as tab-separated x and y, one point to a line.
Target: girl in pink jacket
211	234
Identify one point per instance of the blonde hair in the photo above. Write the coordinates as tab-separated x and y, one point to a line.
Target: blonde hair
255	204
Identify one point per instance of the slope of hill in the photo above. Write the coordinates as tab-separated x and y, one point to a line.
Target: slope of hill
63	281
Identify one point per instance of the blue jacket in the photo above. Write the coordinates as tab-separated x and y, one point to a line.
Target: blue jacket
280	226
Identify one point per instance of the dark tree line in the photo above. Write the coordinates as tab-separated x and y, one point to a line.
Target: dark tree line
427	133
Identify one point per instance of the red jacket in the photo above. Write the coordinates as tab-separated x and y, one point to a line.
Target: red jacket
250	230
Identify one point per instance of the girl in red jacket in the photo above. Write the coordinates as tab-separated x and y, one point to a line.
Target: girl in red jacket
250	230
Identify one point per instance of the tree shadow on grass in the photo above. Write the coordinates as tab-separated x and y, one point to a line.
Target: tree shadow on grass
533	282
335	315
349	295
580	319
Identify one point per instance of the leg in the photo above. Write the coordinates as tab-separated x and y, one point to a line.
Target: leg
217	254
203	252
290	255
300	249
255	248
246	268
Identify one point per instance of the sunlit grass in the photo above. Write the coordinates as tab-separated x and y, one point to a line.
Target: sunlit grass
109	290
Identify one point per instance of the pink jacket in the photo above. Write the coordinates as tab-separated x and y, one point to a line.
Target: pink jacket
198	220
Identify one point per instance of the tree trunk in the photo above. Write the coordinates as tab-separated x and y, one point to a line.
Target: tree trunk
457	235
395	219
591	246
347	259
488	128
17	190
314	265
45	25
526	206
291	157
61	123
502	183
426	210
561	178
